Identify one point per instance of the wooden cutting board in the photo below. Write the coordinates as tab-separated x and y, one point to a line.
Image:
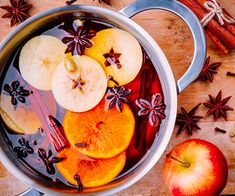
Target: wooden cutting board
174	37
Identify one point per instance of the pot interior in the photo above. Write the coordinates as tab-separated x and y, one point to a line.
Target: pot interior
39	24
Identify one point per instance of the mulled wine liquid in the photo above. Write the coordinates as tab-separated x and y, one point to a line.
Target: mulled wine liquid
35	149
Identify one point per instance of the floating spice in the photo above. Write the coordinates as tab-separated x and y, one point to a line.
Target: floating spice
34	142
112	58
220	130
48	161
188	120
217	106
79	183
17	11
147	78
83	145
17	92
79	38
110	78
154	109
115	97
208	70
41	131
9	143
70	64
59	140
24	149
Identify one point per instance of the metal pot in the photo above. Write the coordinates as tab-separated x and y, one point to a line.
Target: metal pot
169	86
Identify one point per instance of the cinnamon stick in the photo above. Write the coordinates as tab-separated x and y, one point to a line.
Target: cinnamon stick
217	42
141	126
214	27
49	123
229	27
147	77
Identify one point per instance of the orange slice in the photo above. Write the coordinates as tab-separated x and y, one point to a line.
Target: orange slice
92	173
100	133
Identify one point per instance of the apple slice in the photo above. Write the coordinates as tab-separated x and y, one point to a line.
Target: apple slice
79	83
119	53
27	118
22	120
39	58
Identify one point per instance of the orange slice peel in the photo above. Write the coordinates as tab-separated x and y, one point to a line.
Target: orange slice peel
91	173
100	133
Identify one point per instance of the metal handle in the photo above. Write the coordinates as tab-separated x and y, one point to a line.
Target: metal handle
31	192
192	21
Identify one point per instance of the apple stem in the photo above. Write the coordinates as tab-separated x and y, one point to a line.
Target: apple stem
183	163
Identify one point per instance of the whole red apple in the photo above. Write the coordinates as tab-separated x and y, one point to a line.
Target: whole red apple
195	167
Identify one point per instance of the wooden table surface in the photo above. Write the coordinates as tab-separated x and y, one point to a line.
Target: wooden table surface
174	37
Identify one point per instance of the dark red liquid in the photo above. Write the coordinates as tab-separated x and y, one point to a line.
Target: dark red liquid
43	103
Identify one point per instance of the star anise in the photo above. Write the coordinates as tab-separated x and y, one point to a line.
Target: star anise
79	39
218	106
188	120
155	109
49	162
78	83
24	149
17	11
16	92
112	59
116	96
208	70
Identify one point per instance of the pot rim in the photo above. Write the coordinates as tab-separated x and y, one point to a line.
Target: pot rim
167	83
